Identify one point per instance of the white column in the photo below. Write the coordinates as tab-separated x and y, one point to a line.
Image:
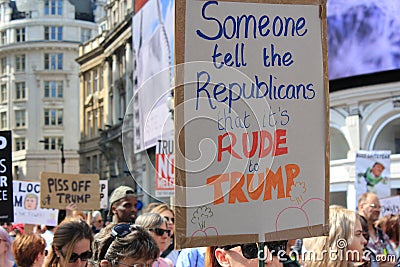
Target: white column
128	80
353	126
115	74
107	101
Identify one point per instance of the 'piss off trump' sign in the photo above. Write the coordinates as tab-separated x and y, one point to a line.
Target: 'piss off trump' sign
251	121
57	190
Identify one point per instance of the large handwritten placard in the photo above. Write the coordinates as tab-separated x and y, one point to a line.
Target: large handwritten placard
57	190
252	146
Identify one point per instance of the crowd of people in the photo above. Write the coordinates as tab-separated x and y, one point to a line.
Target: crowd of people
359	238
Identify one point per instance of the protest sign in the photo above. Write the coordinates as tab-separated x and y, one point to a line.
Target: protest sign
165	168
103	194
26	205
372	173
6	190
390	205
251	121
57	190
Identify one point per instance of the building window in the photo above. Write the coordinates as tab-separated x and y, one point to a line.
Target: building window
3	93
3	38
53	89
53	33
52	142
20	120
96	80
19	143
53	117
20	90
20	35
20	63
3	120
89	123
86	34
3	65
88	83
53	61
95	165
53	7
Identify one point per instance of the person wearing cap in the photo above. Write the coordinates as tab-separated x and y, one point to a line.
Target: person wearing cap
123	205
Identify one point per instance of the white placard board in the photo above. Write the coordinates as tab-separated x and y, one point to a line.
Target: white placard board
372	173
103	194
27	205
251	120
390	205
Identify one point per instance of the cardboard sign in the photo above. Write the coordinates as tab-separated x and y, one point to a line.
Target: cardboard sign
27	205
103	194
390	205
251	121
372	173
6	189
165	159
57	190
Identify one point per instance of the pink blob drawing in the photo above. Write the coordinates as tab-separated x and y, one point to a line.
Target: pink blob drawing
303	214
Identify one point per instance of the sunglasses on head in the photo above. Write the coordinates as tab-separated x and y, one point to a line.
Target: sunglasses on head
170	219
160	232
74	257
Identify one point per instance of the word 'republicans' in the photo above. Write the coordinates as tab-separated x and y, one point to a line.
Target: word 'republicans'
228	93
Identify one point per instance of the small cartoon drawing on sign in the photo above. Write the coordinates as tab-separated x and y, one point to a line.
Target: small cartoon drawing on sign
373	176
200	217
31	201
296	192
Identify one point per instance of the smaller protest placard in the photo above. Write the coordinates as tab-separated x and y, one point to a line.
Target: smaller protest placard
60	189
390	205
372	172
6	190
165	168
26	205
103	194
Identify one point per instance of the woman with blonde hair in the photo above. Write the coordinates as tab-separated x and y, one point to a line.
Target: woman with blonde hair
157	225
71	244
165	211
344	246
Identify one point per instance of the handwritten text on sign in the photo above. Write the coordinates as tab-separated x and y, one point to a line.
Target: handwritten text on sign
254	103
58	190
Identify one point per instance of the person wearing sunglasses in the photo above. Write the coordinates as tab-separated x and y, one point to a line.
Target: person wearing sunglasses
96	220
124	245
71	245
165	211
157	225
29	250
241	255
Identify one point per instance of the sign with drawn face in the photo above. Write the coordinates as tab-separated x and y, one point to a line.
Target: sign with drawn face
27	205
60	189
251	119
